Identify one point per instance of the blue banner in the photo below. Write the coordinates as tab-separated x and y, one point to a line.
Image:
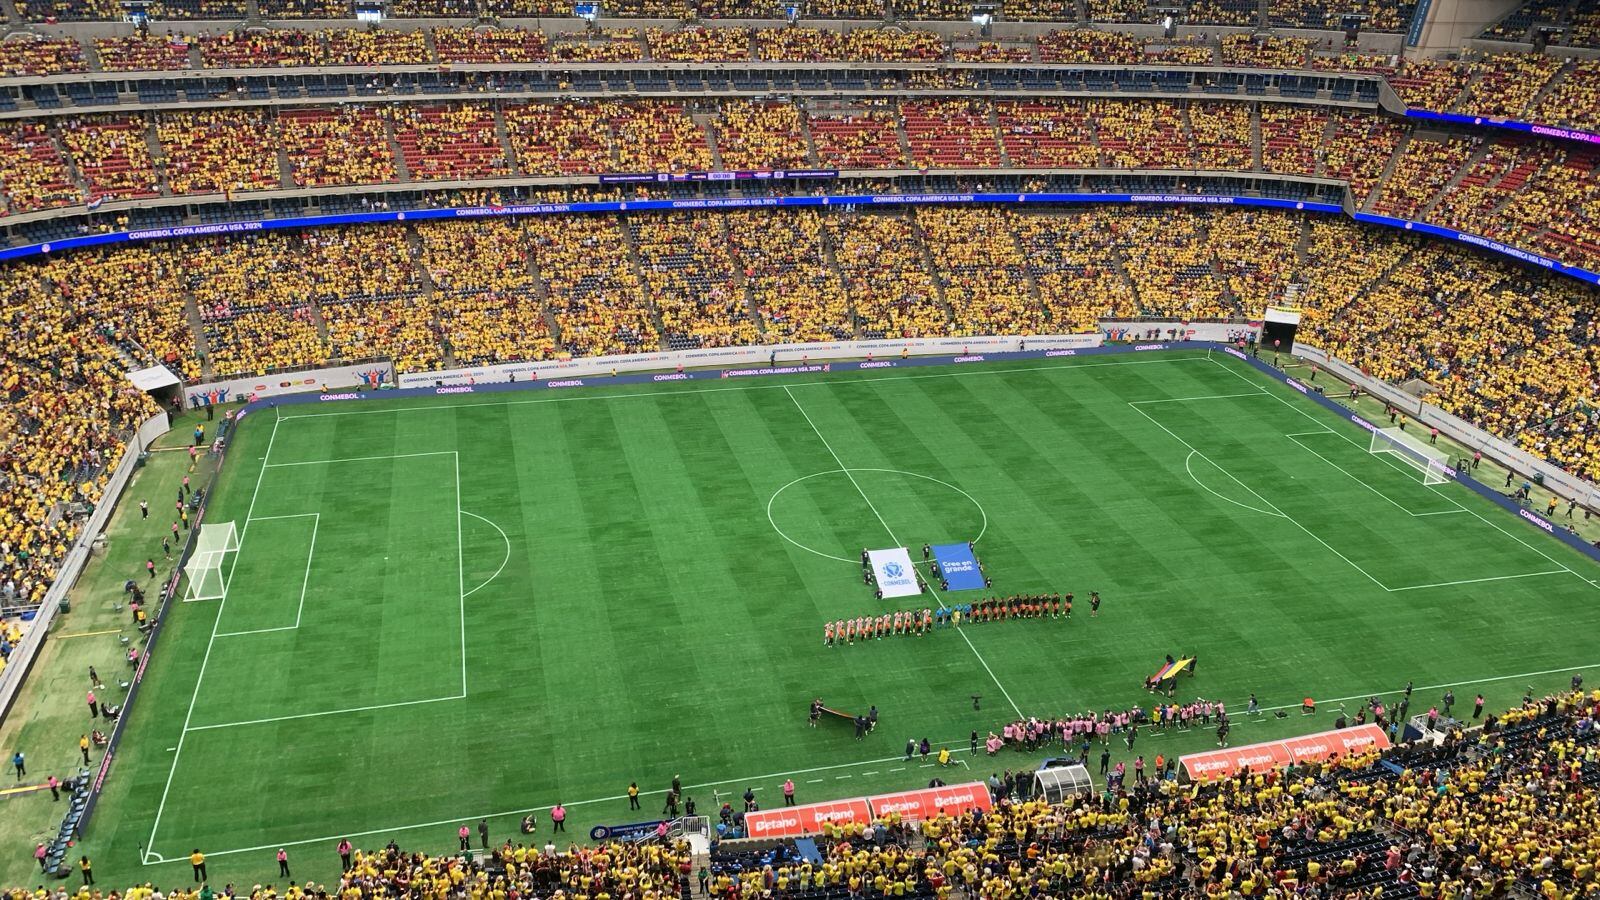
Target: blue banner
1551	131
958	567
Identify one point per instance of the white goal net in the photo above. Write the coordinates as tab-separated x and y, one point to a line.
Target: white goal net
1433	463
204	570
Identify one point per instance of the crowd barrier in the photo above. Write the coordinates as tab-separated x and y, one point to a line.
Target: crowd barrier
24	653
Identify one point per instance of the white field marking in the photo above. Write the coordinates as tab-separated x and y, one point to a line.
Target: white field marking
212	640
815	780
1200	397
152	858
249	517
1471	512
886	528
982	529
847	473
461	574
285	516
1357	479
1439	687
1418	587
967	373
768	777
1223	497
503	562
1269	503
323	462
305	582
326	712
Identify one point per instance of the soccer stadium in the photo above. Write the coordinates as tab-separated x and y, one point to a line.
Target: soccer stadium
942	449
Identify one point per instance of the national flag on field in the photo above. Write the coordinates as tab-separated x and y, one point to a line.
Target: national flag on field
1171	670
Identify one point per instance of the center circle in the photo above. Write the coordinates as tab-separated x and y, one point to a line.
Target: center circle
951	518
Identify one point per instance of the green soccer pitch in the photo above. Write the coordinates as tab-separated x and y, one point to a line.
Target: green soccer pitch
478	606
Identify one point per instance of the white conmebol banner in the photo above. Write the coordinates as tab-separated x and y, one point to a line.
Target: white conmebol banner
730	357
371	375
895	574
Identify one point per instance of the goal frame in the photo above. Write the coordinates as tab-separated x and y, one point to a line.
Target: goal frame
1430	462
203	571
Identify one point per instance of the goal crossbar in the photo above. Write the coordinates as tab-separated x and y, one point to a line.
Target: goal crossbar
1430	461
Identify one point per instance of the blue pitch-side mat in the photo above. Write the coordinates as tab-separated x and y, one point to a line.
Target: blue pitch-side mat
959	567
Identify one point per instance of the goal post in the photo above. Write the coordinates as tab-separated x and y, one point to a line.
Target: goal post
203	571
1433	463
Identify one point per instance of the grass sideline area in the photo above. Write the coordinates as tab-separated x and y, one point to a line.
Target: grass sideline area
450	610
49	714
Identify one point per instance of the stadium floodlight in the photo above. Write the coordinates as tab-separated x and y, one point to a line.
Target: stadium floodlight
1433	463
204	568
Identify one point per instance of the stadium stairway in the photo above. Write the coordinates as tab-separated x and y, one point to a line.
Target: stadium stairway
1328	129
191	311
740	281
708	128
1388	170
285	169
158	155
631	243
1550	85
1255	138
930	265
541	289
402	172
503	135
994	128
1473	159
811	145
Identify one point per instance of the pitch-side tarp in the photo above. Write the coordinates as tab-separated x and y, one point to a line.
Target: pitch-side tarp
959	567
895	575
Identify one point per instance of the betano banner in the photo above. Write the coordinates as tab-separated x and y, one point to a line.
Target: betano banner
1322	747
894	572
908	806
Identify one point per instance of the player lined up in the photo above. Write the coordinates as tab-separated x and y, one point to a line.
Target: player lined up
996	609
899	623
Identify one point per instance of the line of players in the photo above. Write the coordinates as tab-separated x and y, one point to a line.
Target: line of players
994	609
898	623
